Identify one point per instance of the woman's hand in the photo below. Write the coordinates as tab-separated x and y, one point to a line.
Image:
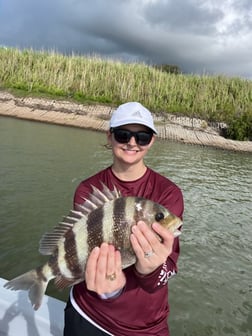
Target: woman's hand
104	270
151	252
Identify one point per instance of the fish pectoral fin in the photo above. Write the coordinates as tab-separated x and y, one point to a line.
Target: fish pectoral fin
62	282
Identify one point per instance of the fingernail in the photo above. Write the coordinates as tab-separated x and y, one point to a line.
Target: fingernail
96	249
134	228
111	248
155	225
141	224
104	247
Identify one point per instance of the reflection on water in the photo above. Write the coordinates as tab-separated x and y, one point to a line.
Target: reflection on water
41	166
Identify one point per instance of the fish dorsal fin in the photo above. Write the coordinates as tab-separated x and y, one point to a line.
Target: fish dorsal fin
49	240
97	199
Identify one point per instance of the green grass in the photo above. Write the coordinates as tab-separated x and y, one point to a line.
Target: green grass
97	80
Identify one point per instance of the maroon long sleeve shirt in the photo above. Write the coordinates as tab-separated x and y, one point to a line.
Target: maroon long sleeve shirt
142	308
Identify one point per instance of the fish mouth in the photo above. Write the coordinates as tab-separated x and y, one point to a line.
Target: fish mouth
173	224
177	232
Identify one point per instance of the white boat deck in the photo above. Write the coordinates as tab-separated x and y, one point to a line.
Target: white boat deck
17	316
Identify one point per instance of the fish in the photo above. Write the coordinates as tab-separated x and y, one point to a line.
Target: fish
105	216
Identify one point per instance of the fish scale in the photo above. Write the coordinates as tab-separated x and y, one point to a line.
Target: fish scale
105	216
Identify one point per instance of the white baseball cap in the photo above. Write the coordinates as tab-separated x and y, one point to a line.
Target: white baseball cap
132	113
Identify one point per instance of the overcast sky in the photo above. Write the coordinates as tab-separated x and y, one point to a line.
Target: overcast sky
200	36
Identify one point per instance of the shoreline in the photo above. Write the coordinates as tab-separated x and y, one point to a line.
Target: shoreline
95	117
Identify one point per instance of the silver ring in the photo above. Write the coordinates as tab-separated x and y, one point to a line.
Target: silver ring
148	254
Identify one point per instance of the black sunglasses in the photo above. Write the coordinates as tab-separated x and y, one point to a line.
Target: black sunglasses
123	136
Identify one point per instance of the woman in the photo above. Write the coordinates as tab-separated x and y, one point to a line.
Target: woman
132	301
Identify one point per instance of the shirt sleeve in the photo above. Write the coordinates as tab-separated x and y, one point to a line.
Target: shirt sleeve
173	201
159	278
176	206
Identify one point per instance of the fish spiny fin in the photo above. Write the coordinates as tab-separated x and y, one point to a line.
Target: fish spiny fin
111	194
105	195
86	207
50	240
97	199
98	196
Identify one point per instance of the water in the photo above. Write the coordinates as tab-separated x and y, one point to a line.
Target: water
40	167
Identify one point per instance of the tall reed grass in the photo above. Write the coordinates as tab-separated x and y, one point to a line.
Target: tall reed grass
93	79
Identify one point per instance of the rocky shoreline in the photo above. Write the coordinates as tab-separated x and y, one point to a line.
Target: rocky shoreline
95	117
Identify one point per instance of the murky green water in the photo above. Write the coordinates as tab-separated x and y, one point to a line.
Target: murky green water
40	167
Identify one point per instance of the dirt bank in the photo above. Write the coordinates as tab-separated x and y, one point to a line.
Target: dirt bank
180	129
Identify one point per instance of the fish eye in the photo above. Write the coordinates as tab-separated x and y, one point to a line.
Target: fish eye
159	216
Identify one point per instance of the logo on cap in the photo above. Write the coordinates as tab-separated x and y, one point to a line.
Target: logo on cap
137	114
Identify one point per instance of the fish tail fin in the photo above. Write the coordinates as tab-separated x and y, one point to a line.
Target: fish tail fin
35	281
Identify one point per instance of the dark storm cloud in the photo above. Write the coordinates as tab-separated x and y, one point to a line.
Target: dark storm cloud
198	36
181	16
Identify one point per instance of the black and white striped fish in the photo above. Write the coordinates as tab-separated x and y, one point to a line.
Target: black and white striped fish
105	217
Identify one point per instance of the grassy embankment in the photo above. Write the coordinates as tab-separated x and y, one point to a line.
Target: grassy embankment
96	80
